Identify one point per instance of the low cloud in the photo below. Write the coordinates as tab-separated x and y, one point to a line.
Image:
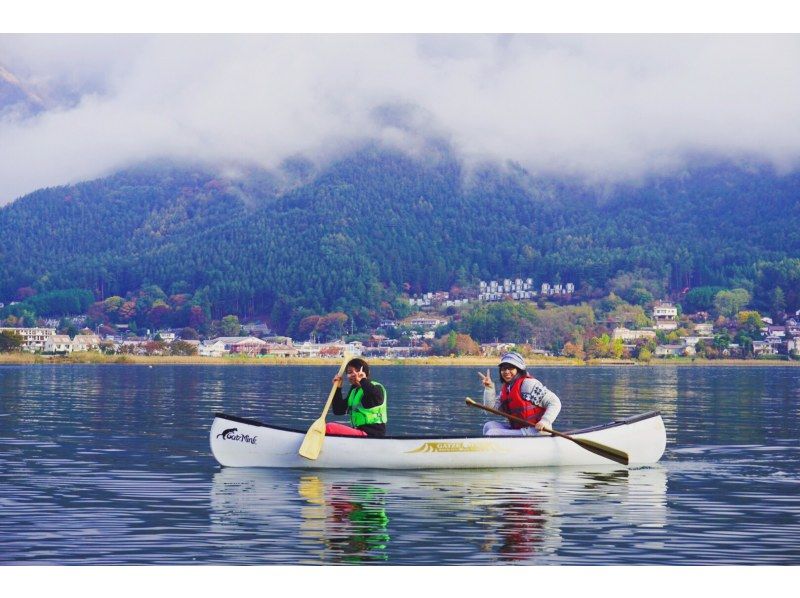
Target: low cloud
603	107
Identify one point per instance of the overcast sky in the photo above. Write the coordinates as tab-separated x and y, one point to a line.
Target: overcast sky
602	106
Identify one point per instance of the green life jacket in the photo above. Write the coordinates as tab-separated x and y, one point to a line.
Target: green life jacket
360	415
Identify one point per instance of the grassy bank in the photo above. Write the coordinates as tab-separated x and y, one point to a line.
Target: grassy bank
482	362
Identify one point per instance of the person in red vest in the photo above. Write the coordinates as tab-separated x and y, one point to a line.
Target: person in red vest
520	394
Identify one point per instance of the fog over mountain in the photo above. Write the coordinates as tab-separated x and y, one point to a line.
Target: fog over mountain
600	107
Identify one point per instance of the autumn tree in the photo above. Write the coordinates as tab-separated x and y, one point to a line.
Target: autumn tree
574	350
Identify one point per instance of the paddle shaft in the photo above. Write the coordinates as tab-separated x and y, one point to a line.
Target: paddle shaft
312	443
590	445
332	394
519	420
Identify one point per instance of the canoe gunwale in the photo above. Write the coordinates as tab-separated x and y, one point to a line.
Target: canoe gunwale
622	422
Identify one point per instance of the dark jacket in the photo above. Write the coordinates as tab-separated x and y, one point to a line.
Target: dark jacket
373	396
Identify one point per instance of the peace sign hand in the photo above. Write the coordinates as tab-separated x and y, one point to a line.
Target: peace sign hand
487	379
360	375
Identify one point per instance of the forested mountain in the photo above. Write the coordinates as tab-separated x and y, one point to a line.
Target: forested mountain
354	235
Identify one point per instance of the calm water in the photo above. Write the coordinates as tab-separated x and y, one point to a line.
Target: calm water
111	465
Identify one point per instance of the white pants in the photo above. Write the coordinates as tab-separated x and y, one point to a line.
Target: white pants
495	428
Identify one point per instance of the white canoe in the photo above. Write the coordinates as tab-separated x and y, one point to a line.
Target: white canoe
240	442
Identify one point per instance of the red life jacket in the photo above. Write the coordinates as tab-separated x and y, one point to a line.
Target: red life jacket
511	402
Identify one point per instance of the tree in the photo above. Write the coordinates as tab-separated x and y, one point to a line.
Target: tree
24	293
454	343
197	318
9	341
617	349
465	345
155	348
629	315
127	311
750	323
574	350
189	334
159	314
600	346
332	325
745	342
307	326
700	299
728	303
777	301
111	307
230	326
721	340
182	348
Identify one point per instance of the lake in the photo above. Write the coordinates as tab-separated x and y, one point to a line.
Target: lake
109	465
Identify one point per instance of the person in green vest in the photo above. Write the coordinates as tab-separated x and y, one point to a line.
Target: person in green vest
365	402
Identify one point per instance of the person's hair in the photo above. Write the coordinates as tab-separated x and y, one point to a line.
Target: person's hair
358	364
520	371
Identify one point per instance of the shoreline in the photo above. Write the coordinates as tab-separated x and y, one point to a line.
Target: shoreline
102	359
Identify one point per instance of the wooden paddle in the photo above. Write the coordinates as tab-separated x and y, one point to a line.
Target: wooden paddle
312	443
590	445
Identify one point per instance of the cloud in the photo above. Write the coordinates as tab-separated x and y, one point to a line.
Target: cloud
598	106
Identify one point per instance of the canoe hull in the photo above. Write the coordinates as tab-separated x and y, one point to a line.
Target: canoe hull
239	442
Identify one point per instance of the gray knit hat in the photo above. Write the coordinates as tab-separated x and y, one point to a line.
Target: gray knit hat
514	359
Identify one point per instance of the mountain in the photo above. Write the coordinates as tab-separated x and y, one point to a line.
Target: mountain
18	96
353	235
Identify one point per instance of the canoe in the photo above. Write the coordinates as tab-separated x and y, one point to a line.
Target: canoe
241	442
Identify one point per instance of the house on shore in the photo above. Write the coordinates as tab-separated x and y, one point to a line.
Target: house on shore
631	336
224	345
33	339
674	351
86	342
58	344
665	316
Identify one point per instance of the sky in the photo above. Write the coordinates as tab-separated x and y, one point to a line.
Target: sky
597	106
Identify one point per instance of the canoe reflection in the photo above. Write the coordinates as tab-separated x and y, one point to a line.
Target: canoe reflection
494	516
348	519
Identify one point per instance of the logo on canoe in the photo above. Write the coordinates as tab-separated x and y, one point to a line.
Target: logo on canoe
455	447
230	434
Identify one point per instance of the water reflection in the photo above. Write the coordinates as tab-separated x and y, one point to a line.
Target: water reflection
435	517
111	465
348	520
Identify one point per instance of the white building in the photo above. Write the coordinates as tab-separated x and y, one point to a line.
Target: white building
335	349
426	321
628	336
704	329
665	316
674	350
86	342
33	339
58	343
223	345
764	348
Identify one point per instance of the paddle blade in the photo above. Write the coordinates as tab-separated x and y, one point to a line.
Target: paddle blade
312	443
608	452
